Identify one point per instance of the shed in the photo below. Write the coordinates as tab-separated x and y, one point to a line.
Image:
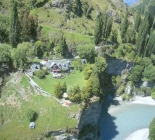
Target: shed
32	125
35	67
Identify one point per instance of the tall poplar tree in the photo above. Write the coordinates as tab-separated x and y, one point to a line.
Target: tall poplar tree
98	30
14	24
142	36
150	47
137	20
124	27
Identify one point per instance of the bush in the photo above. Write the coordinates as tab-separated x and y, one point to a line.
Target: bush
153	95
32	115
120	90
40	74
123	96
152	130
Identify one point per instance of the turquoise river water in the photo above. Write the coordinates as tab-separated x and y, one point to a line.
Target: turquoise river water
120	119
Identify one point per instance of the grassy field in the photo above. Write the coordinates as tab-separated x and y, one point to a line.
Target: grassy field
49	82
14	106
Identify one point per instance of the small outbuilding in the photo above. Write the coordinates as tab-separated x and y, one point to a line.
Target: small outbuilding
35	67
32	125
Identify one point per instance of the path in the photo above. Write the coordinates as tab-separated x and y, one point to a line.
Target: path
39	89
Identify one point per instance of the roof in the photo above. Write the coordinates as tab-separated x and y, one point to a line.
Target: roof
65	95
32	124
43	62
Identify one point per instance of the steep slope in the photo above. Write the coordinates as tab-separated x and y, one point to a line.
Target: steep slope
145	6
73	16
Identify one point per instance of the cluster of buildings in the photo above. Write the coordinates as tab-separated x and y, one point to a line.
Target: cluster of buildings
55	66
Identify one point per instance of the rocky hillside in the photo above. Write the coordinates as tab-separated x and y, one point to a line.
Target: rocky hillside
72	17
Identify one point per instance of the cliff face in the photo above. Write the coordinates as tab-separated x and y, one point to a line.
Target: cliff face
88	124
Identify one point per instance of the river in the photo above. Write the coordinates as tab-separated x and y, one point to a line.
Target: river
119	119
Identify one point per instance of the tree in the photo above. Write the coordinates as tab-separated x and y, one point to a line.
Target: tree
100	64
5	54
22	54
87	71
28	25
108	28
87	52
58	91
86	92
137	20
150	47
96	90
74	94
124	26
77	8
136	73
149	72
152	130
143	35
4	30
98	30
32	115
114	36
64	87
14	24
130	36
62	47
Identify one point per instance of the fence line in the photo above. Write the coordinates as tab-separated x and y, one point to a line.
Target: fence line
39	89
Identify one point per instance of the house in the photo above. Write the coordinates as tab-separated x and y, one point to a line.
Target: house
35	67
57	65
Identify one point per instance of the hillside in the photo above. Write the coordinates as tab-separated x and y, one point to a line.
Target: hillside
76	19
145	6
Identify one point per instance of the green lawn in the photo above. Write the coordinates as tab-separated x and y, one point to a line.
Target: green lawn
51	114
49	82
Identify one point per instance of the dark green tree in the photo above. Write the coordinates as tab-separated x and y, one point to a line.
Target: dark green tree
96	90
98	30
137	20
22	54
14	24
114	36
136	73
28	25
124	27
108	27
142	37
5	54
64	87
130	36
87	52
100	64
74	94
58	91
4	30
150	47
87	71
152	130
63	48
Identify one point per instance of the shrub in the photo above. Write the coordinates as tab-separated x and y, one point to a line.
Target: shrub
32	115
124	96
152	130
40	73
120	90
153	95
